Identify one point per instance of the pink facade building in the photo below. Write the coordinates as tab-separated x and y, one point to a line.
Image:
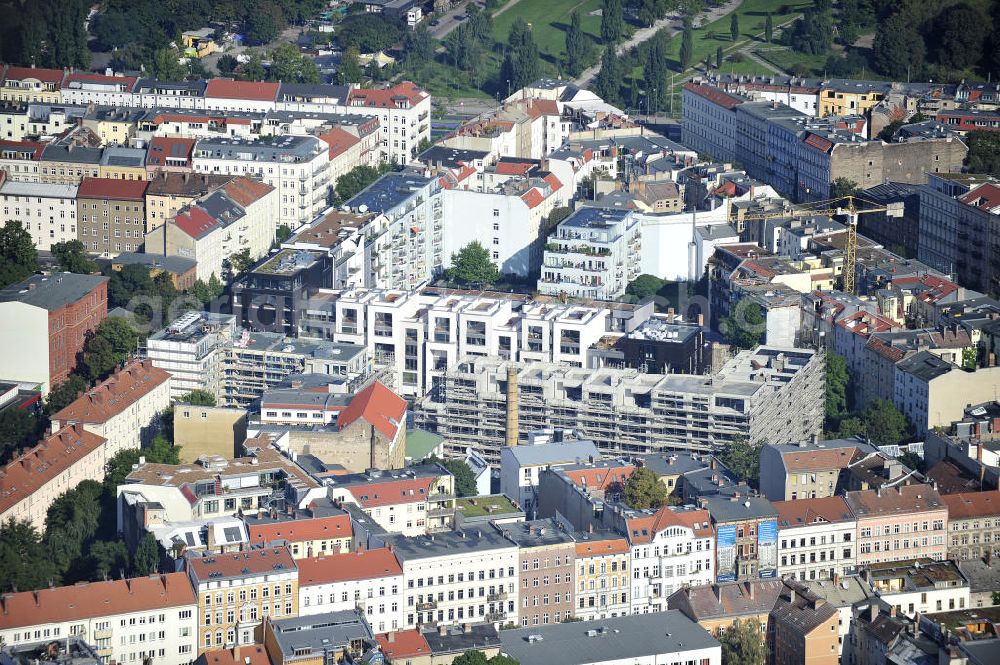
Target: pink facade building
896	523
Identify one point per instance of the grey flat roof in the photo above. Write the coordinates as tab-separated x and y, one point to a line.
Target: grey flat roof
537	533
274	149
726	509
39	189
388	191
669	464
174	264
460	541
925	366
618	639
53	291
563	452
320	632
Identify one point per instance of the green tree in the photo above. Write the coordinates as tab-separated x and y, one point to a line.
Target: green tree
18	257
241	262
745	325
984	152
198	397
742	458
72	257
369	33
264	23
837	388
718	58
107	347
355	180
577	46
108	559
472	265
65	393
19	430
282	234
612	22
610	77
349	70
687	47
645	286
899	49
843	187
643	489
556	215
812	34
520	64
885	424
227	64
419	45
465	482
253	68
160	451
289	65
471	657
742	645
24	563
961	33
768	28
912	461
147	555
501	659
734	26
165	65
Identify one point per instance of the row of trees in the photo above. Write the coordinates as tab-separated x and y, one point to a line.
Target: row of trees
880	421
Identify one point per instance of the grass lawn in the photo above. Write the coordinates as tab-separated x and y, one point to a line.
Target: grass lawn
753	16
549	20
485	505
788	60
444	81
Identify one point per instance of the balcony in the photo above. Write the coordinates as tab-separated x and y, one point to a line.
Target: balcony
494	597
495	616
429	605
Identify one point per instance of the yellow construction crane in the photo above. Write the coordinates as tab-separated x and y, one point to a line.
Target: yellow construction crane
846	206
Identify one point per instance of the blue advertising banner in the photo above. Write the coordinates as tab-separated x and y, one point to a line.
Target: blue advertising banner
767	548
726	552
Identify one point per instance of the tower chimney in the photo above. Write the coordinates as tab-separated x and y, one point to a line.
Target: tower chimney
513	396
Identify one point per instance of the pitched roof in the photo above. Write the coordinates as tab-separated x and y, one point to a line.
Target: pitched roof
239	564
801	512
801	610
382	408
972	504
714	95
299	530
88	600
408	490
112	188
115	394
166	183
643	529
360	565
819	460
23	148
52	292
386	98
399	646
74	80
245	191
23	475
248	654
902	500
339	141
162	147
602	547
45	75
600	477
250	90
733	599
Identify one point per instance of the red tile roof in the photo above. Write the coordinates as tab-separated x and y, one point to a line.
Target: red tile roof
601	477
505	167
801	512
972	504
53	455
382	408
245	191
401	645
714	95
301	530
819	460
95	599
195	222
890	502
643	529
161	147
532	197
985	196
239	564
115	394
601	547
34	147
386	98
409	490
362	565
339	141
865	323
818	142
248	654
112	188
45	75
261	91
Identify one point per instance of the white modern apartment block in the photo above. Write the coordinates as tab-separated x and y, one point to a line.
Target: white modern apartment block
404	112
816	539
464	576
46	211
593	253
298	167
368	580
671	548
192	350
143	619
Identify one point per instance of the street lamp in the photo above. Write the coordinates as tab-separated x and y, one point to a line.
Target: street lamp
508	87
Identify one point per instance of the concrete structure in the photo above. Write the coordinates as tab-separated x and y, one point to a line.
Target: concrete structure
111	215
127	620
202	431
370	581
323	638
804	628
593	253
239	590
816	539
47	319
547	555
646	640
33	480
125	408
192	349
919	586
900	523
46	211
318	530
458	577
520	466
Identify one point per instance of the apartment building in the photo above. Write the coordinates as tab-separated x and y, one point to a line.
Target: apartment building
192	349
236	216
746	533
296	167
276	293
126	621
899	523
111	215
457	577
319	529
602	575
20	160
46	211
84	88
31	84
717	606
933	392
404	113
237	591
119	163
323	638
47	318
917	586
708	123
803	626
33	480
975	521
520	466
768	393
817	539
547	560
593	253
413	501
169	191
125	408
808	470
154	497
577	493
671	548
370	581
68	162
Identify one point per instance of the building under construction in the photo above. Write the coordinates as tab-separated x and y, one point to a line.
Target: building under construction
768	394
